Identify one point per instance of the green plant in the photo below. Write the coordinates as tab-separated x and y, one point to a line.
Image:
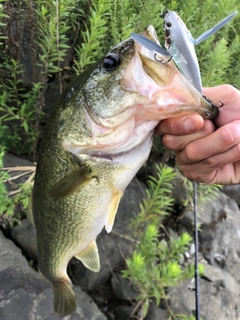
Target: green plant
205	193
17	107
18	199
51	32
156	264
92	46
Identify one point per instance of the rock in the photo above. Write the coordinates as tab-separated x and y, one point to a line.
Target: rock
215	301
10	256
24	234
21	46
156	313
25	295
233	192
129	207
220	277
213	212
220	237
123	312
115	246
123	288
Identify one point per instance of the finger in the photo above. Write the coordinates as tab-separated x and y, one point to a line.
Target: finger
222	168
178	143
216	143
196	172
230	98
180	125
222	92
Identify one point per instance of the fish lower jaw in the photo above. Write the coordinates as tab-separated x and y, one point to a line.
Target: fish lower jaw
113	148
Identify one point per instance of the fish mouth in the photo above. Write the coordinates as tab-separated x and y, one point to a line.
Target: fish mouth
169	93
121	140
157	90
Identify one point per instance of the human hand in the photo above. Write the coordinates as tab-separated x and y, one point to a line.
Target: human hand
208	152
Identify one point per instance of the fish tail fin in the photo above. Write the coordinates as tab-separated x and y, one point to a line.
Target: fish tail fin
64	298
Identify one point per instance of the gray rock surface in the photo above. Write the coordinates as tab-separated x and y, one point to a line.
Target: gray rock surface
24	295
24	235
123	312
215	301
220	237
123	289
233	192
156	313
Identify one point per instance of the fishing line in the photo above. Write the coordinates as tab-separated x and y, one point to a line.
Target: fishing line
197	293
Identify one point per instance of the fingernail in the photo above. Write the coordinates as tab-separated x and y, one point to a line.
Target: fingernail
188	125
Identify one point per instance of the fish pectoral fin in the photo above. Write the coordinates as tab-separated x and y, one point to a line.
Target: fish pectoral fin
71	183
116	197
29	211
90	257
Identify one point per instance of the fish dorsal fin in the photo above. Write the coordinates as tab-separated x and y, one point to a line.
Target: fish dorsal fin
90	257
71	183
29	211
113	206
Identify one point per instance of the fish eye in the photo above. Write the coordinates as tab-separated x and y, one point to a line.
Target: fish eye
111	61
168	24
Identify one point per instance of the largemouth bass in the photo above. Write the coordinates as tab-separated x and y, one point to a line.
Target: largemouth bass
98	136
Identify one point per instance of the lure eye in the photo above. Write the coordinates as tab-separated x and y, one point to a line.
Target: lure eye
110	62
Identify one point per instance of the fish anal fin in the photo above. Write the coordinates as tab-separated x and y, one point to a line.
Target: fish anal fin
90	257
64	298
113	206
71	183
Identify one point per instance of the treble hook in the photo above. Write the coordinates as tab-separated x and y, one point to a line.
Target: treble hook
161	60
222	104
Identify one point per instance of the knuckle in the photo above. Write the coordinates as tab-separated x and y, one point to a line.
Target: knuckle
208	127
196	174
170	143
167	140
212	162
228	136
191	151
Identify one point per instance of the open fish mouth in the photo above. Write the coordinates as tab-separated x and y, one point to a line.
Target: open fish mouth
152	89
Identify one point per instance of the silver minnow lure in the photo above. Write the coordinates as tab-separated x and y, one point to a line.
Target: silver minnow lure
180	44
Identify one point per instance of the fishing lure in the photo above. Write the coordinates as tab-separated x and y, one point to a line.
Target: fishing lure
150	45
180	44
